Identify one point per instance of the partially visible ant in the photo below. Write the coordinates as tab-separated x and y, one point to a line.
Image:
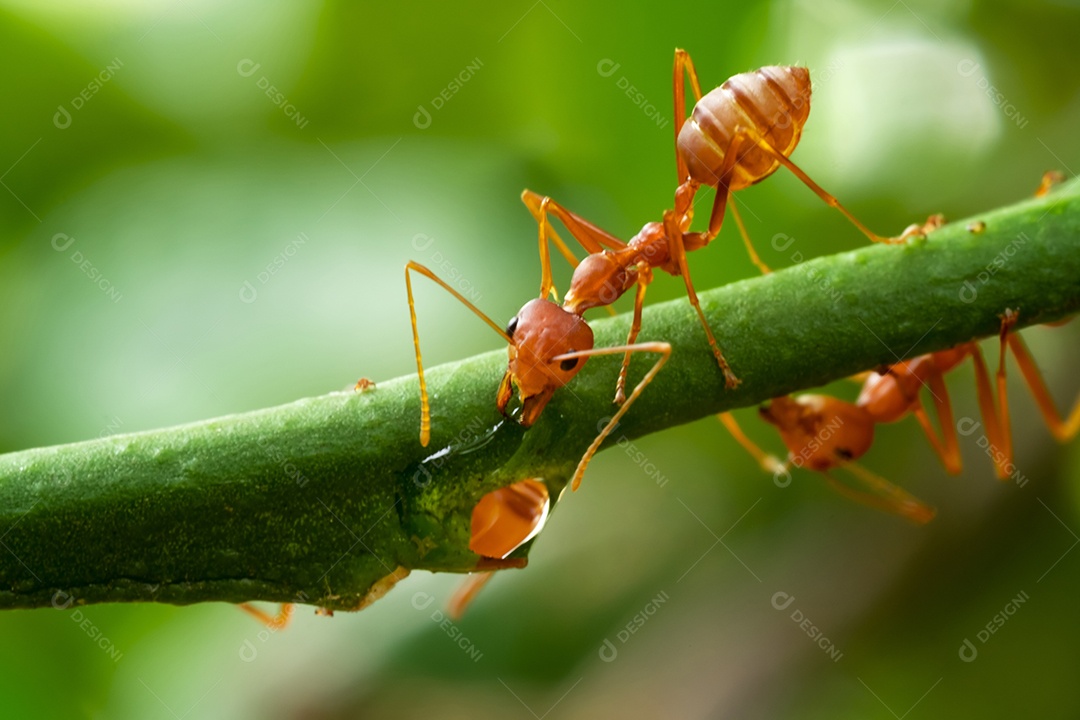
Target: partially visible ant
1050	179
737	135
823	433
547	347
274	622
502	521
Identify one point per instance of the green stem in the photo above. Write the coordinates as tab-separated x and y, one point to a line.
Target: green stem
317	500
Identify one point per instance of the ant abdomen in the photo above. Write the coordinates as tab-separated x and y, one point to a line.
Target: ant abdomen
772	102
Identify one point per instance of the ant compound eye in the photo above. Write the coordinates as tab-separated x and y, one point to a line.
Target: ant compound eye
569	364
512	326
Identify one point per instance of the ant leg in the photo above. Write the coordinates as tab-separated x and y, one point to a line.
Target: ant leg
678	254
382	586
768	462
1063	429
830	200
765	270
425	408
663	348
995	414
946	447
592	238
723	198
683	64
644	278
882	494
274	622
466	593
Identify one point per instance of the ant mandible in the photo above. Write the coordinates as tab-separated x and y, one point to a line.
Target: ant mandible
737	135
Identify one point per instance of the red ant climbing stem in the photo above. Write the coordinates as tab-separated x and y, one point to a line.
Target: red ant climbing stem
547	347
737	135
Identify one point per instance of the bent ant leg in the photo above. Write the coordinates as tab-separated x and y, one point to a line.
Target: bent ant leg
684	195
466	593
946	447
995	414
592	238
683	64
882	494
829	199
425	408
274	622
1063	428
768	462
678	253
765	269
663	348
644	278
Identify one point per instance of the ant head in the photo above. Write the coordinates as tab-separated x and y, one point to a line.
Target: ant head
821	432
541	332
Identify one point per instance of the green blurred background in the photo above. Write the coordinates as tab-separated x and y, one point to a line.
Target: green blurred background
206	209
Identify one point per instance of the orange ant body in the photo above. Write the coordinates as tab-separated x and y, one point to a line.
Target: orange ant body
823	433
737	135
503	520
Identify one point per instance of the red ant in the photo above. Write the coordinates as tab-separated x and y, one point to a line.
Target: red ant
503	520
737	135
823	433
547	347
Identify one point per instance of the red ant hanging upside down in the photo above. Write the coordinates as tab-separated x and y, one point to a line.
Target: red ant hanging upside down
737	135
824	433
547	347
